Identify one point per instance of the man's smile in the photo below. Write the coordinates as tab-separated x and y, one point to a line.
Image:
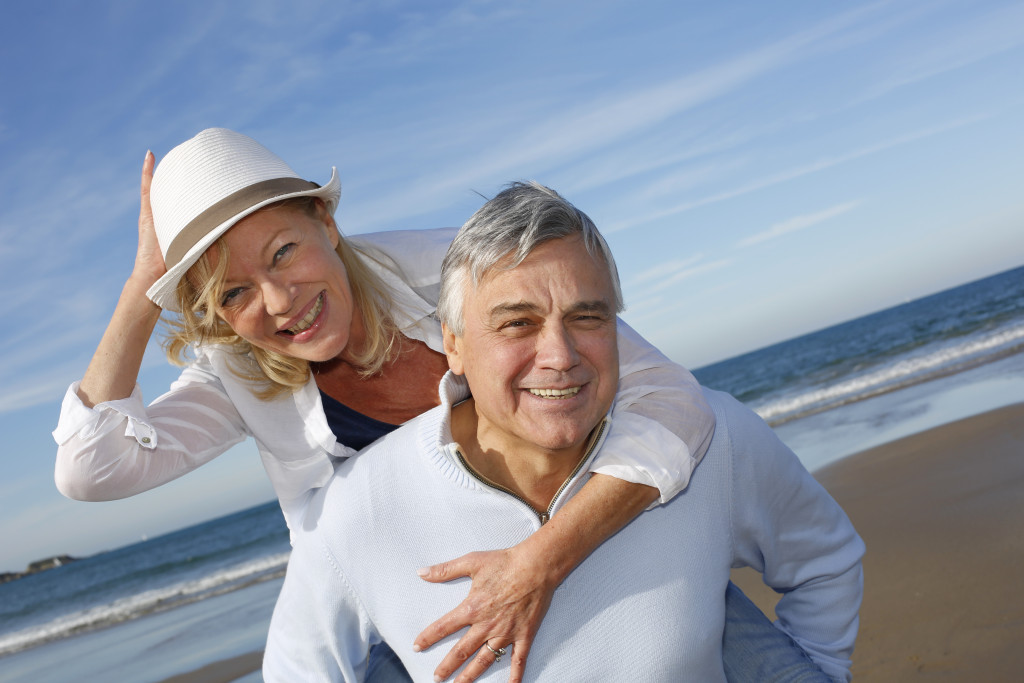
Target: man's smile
555	393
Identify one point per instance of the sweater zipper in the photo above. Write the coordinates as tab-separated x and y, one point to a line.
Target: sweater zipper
595	439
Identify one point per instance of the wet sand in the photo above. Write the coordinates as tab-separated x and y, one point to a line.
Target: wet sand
942	515
224	671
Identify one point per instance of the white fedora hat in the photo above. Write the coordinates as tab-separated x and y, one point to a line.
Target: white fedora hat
207	184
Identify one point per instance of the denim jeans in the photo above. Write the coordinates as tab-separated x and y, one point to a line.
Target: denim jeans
385	666
753	650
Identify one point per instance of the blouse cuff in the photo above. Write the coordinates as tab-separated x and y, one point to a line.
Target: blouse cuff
640	450
78	419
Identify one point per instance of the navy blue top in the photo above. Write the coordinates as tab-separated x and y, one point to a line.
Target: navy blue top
351	427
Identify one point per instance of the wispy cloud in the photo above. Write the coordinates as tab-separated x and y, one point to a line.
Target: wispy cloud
954	46
799	171
665	270
582	128
669	274
797	223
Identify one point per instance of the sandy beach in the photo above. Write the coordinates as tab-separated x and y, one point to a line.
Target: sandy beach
223	671
942	514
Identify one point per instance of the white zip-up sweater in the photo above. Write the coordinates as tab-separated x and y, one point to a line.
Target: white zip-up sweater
647	605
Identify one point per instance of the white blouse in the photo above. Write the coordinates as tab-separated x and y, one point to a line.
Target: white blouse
120	448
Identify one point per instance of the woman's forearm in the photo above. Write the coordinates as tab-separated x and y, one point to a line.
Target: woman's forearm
114	367
600	509
512	588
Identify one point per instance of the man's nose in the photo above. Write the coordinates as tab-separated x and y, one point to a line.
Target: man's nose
556	348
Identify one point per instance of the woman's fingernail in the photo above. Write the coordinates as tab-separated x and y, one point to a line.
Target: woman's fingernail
423	571
416	647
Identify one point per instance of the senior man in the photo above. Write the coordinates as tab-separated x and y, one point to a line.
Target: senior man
528	303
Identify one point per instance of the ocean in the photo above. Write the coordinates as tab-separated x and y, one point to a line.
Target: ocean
173	604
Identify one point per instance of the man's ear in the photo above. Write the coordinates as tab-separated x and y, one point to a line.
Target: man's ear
452	349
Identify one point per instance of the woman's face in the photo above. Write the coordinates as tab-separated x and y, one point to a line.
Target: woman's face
286	289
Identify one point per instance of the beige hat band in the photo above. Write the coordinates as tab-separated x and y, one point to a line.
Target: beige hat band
228	208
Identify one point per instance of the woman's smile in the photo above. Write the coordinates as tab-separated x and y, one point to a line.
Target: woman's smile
308	321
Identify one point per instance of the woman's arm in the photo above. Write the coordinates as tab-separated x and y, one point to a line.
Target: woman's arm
512	588
114	367
120	448
662	424
110	445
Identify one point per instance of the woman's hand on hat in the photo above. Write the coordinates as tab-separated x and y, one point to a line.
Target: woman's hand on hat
149	262
114	368
510	595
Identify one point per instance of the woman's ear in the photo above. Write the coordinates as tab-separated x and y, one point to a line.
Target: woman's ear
325	217
452	349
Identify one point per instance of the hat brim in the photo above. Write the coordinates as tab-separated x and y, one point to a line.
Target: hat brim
162	292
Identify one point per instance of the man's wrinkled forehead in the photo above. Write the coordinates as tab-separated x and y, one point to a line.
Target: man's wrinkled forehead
499	305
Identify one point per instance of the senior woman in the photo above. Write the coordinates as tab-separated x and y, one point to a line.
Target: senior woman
315	345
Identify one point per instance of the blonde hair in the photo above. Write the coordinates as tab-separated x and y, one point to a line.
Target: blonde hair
270	372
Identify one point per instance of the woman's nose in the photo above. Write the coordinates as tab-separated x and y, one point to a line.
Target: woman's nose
278	297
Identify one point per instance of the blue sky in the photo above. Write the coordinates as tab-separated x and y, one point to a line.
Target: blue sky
761	169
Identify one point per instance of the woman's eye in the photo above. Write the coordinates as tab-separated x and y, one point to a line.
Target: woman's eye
280	253
230	296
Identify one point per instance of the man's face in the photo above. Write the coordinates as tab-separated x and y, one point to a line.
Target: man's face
539	350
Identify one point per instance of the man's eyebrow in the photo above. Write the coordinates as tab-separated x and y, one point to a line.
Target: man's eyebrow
597	306
512	308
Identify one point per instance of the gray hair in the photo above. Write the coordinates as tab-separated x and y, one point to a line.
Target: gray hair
507	228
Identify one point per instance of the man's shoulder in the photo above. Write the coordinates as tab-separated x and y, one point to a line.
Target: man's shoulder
391	462
738	429
730	413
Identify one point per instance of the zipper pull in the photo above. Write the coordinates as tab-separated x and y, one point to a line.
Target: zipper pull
544	517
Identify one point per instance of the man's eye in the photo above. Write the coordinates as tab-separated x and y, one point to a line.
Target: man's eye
515	328
591	318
